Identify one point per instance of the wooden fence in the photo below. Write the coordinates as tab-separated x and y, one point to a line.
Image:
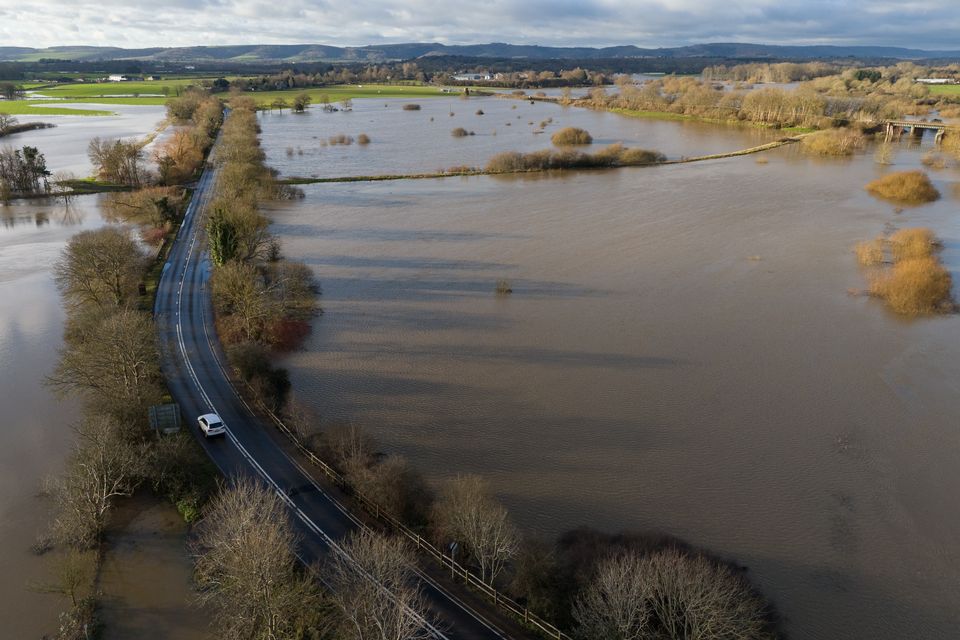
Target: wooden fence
521	612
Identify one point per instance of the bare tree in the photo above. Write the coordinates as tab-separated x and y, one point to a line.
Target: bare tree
467	512
372	586
669	595
118	161
104	465
247	567
115	363
101	267
614	606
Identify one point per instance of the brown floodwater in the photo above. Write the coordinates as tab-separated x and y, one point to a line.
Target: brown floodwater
35	433
147	575
680	353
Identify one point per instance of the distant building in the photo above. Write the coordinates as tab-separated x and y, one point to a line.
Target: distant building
936	81
153	78
117	78
472	77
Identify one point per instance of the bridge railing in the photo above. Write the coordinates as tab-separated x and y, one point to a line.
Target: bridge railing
457	569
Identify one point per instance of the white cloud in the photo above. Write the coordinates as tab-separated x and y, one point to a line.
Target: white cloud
143	23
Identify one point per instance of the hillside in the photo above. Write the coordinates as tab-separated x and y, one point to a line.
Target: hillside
408	51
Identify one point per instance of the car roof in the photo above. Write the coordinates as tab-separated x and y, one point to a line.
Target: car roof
210	417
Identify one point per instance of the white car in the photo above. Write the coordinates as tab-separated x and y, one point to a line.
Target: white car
211	425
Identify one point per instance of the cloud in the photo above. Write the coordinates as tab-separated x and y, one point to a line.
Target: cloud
928	24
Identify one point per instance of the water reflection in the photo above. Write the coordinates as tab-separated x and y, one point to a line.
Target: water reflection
41	212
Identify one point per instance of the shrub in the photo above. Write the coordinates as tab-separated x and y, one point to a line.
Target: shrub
834	142
503	287
411	107
571	136
915	286
615	155
363	139
870	254
460	132
479	112
912	243
908	187
341	138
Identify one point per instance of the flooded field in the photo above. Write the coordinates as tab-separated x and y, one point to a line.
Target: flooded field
147	575
421	141
65	145
680	352
35	433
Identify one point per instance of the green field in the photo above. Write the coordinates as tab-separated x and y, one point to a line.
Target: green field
131	89
945	89
351	91
133	93
31	108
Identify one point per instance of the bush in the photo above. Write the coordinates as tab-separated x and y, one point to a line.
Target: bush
363	139
341	138
460	132
870	254
615	155
912	243
834	142
571	136
411	107
915	286
907	187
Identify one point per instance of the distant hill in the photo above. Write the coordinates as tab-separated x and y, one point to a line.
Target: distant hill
239	54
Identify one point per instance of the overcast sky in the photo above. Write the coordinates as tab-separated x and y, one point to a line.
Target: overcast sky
930	24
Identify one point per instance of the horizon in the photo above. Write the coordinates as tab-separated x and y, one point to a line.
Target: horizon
483	43
923	24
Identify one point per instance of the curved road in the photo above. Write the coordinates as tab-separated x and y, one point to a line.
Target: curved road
194	366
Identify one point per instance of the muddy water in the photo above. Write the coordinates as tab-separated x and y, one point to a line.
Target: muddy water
35	431
65	146
680	353
421	141
147	575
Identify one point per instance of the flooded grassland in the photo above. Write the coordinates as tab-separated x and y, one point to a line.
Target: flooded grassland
680	351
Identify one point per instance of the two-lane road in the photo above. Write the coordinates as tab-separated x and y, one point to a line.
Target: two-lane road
195	369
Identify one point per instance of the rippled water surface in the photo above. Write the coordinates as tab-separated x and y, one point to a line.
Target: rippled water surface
680	352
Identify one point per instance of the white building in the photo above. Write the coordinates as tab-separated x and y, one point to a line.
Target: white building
472	77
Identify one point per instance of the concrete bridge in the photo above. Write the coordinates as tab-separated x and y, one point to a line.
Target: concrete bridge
895	128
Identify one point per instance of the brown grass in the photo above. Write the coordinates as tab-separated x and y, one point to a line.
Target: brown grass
363	139
870	254
615	155
907	187
933	160
834	142
916	283
341	138
915	286
571	136
460	132
916	242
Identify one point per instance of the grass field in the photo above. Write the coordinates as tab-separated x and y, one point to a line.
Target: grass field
131	89
352	91
29	108
945	90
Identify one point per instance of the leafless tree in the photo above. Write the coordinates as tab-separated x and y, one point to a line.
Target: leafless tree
115	363
467	512
247	568
118	161
669	595
101	268
372	586
614	606
103	466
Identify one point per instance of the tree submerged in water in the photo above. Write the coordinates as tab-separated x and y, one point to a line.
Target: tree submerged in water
23	171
